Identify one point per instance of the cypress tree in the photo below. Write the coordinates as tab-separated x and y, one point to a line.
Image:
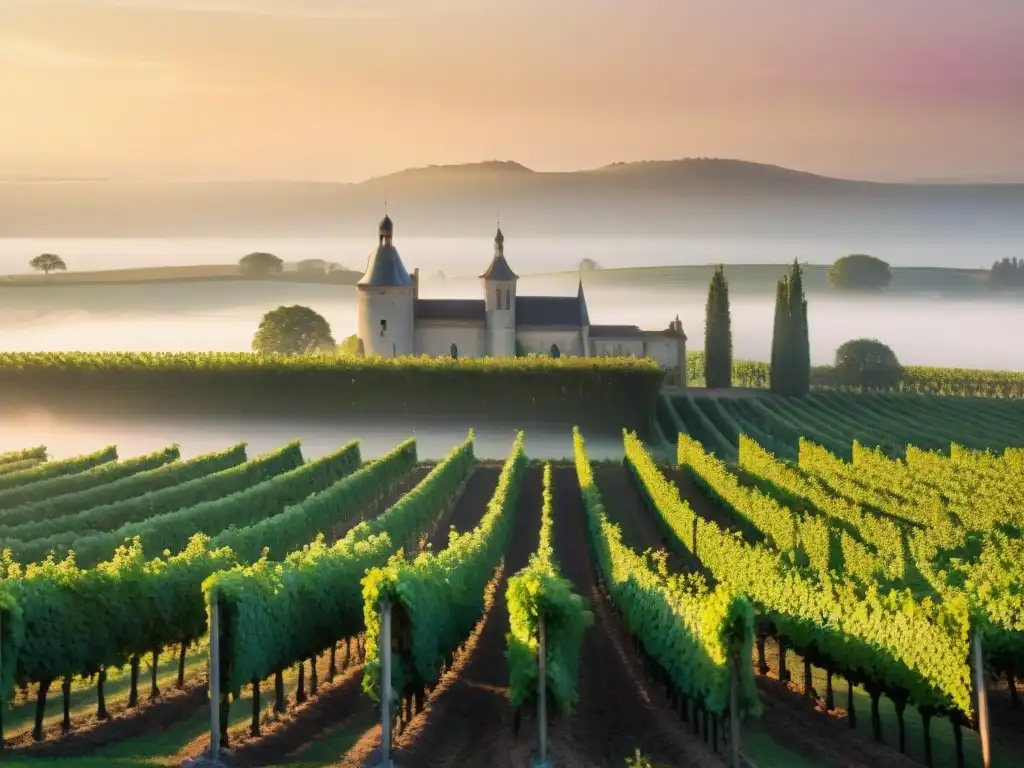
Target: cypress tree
718	333
778	367
799	362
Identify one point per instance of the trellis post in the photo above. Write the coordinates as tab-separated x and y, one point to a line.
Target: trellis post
979	685
542	695
385	684
734	712
214	678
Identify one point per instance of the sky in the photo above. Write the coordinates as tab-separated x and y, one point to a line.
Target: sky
348	89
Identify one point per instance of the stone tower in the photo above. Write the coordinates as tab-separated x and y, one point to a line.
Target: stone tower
500	302
386	300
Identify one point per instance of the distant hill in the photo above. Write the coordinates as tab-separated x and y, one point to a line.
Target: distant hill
695	197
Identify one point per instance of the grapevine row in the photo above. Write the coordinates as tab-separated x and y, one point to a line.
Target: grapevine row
886	640
693	633
37	452
436	599
273	615
539	590
57	469
248	493
46	513
82	481
80	621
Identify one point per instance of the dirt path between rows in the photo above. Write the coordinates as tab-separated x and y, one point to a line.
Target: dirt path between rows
470	722
617	713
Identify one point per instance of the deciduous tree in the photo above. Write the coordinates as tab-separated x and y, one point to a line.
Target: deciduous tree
292	331
47	263
261	264
859	272
867	363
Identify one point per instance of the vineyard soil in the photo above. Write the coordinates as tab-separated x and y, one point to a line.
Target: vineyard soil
469	722
618	711
624	505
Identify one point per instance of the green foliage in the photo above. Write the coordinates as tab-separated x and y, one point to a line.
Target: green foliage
83	481
884	638
273	615
42	518
791	352
693	633
575	387
133	605
436	599
26	454
639	760
259	263
58	468
966	540
1007	274
718	333
859	272
96	533
540	590
262	489
19	466
292	330
78	621
352	346
278	535
868	364
12	637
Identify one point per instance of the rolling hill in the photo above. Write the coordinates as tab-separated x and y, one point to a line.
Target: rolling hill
694	197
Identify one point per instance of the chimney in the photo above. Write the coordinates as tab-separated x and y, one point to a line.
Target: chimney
416	283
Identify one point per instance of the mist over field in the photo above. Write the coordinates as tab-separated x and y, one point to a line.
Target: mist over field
173	317
66	436
937	327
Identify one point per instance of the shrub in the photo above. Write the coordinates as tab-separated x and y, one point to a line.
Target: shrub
867	363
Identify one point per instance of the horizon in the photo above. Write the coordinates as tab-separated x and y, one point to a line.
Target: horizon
991	180
930	91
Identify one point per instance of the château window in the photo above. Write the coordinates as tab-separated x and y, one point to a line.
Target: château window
508	299
383	327
497	296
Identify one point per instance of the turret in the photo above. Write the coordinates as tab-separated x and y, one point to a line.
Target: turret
500	302
386	300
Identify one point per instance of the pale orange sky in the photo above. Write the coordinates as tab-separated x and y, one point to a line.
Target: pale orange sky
346	89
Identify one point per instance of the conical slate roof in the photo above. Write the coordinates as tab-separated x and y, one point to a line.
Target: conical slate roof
384	268
499	268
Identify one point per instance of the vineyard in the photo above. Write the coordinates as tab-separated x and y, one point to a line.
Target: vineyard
835	580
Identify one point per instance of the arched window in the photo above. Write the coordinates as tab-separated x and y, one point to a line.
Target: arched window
455	352
497	297
555	352
508	299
